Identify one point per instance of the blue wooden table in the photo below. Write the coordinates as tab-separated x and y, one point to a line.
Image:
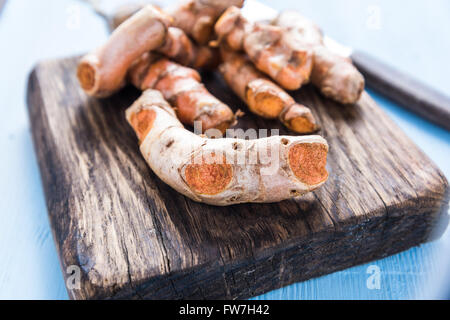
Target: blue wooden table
413	36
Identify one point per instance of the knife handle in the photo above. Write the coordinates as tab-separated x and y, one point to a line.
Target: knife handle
404	90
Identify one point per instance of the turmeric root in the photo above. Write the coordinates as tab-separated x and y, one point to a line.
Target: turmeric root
197	17
299	28
262	96
181	86
177	45
335	76
103	71
223	172
288	62
181	49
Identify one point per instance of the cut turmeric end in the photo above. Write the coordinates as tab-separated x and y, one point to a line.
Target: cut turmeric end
263	102
86	76
302	125
142	123
307	161
208	179
299	119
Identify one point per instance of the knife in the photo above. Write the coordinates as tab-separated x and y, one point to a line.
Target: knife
386	80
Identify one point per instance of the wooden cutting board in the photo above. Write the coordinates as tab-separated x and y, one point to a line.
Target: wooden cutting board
134	237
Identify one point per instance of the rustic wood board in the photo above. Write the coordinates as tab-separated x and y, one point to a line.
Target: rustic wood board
135	237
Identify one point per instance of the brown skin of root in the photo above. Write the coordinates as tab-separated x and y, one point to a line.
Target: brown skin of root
164	72
103	71
262	96
293	73
181	86
180	48
231	28
142	123
271	104
208	179
138	71
177	46
206	58
197	17
298	70
335	76
307	162
209	111
203	29
286	62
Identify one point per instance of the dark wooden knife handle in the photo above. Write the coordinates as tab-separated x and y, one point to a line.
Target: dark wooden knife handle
404	90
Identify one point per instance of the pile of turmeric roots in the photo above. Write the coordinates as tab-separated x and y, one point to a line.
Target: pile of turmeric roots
160	52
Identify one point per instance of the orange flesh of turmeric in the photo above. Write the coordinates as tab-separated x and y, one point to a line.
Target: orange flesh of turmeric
103	71
262	96
208	179
142	123
307	161
302	124
289	64
264	103
223	182
181	86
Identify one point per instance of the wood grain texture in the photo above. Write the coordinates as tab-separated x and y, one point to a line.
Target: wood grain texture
404	90
134	237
